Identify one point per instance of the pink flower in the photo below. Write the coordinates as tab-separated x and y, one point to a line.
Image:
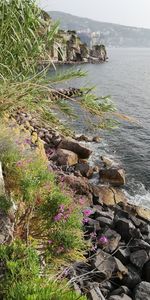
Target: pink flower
81	201
61	208
87	212
58	217
93	234
50	242
19	164
85	220
103	240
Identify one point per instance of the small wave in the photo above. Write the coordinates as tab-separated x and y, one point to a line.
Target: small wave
138	195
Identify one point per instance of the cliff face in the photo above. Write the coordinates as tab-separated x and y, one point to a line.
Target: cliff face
68	47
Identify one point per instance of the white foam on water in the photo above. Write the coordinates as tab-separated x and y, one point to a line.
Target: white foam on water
139	195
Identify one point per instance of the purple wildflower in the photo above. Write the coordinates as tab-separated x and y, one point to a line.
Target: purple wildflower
27	141
61	208
58	217
81	201
85	220
87	212
103	240
50	242
93	234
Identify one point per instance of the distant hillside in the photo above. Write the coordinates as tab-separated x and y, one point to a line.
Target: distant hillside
93	32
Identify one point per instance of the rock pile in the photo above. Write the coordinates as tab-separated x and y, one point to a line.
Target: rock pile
118	259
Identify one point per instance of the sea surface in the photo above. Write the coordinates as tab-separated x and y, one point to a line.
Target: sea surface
126	77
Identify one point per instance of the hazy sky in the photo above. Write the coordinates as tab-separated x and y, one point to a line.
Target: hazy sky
127	12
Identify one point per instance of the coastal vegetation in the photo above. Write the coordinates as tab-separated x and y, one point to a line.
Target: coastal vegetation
59	233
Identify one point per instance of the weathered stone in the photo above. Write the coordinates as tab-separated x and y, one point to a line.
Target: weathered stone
72	145
123	255
132	278
120	269
108	196
113	240
123	227
105	264
65	157
108	162
113	176
96	139
78	184
100	212
121	297
139	258
143	213
95	294
138	244
104	221
146	271
84	169
121	290
142	291
82	137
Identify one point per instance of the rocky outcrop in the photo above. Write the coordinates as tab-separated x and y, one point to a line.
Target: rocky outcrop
68	48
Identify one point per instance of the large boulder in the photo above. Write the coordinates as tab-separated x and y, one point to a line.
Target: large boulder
84	169
107	195
65	157
139	258
112	176
142	291
72	145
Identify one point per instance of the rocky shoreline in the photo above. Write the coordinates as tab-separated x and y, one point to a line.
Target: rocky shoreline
117	260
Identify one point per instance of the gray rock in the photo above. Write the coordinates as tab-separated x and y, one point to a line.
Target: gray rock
113	176
121	297
121	290
105	221
142	291
113	240
123	226
146	271
123	255
132	278
139	258
105	264
95	294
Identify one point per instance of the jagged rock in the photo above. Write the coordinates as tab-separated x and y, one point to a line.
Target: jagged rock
113	176
104	221
96	139
108	162
123	227
142	291
72	145
123	255
105	264
139	258
95	294
120	268
121	297
121	290
143	213
132	278
84	169
82	137
108	196
113	240
138	244
79	184
65	157
100	212
146	271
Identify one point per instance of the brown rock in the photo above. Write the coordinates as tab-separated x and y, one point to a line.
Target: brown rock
72	145
108	196
66	157
113	240
143	213
113	176
105	264
79	184
84	169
